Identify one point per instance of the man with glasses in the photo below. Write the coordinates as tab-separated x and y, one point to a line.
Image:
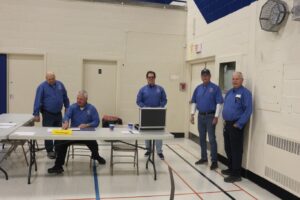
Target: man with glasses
152	95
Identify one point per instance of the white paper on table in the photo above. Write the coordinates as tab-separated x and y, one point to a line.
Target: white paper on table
75	129
49	130
2	126
131	131
125	132
8	124
24	133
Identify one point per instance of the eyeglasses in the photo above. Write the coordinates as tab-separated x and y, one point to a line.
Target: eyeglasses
151	77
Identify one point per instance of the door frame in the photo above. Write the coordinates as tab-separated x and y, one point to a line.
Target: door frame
21	51
189	65
105	59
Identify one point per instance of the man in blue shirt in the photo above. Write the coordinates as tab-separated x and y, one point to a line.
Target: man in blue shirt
50	97
152	95
207	99
81	115
236	113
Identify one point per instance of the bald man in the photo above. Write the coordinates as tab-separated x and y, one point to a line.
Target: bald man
236	113
50	97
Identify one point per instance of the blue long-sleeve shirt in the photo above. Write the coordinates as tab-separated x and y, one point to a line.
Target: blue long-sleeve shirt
238	106
207	97
151	96
50	98
86	115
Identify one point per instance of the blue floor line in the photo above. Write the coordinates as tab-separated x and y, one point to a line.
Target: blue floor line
96	184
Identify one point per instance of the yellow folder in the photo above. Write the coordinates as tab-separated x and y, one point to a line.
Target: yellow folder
61	132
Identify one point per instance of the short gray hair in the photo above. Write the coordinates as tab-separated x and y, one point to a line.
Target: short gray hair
83	93
239	74
49	73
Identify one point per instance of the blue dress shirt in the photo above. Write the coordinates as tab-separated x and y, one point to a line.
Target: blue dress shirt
238	106
207	97
86	115
50	98
151	96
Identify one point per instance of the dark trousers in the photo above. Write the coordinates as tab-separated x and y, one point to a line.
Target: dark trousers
62	147
233	139
51	120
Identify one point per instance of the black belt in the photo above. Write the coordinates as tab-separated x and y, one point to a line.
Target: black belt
230	122
207	113
46	111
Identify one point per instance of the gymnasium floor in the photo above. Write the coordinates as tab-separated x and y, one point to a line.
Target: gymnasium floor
81	181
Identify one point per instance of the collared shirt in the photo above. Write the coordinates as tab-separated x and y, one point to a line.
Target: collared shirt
238	106
151	96
207	97
86	115
50	98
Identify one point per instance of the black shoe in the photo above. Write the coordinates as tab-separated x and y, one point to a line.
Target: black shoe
161	156
51	155
201	161
101	160
147	153
214	165
56	170
232	179
226	172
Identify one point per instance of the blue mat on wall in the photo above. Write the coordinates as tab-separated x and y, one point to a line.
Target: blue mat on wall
3	83
212	10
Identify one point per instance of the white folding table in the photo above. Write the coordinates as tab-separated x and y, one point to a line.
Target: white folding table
9	122
42	133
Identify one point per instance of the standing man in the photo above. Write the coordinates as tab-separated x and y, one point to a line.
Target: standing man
50	97
236	113
152	95
207	99
81	115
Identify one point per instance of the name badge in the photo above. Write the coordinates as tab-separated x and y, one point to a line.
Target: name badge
238	96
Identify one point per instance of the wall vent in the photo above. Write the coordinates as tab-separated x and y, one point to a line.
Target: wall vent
282	179
284	144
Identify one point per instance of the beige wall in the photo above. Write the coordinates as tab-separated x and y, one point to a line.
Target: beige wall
137	38
270	63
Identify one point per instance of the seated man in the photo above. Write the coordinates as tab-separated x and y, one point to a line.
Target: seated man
82	115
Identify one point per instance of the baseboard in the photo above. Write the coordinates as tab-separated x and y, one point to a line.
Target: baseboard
178	134
262	182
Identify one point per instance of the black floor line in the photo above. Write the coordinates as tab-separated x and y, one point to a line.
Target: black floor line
226	193
172	184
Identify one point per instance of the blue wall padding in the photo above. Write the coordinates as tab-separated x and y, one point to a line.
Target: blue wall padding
3	83
212	10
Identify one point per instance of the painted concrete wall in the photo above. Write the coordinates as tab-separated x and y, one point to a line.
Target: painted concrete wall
270	63
137	38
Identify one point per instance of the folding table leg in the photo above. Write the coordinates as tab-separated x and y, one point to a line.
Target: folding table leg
32	158
6	176
151	160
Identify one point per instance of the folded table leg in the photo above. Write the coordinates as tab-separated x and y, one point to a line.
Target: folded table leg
151	160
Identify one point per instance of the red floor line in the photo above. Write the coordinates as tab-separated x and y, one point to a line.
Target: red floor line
219	173
213	192
130	197
147	196
183	180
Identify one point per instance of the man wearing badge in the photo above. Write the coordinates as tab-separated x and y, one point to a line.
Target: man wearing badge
236	113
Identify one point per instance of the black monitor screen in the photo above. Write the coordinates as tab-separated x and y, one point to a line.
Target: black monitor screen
152	118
